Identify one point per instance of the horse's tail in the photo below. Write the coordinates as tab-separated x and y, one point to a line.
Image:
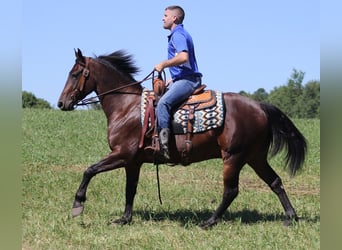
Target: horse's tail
285	134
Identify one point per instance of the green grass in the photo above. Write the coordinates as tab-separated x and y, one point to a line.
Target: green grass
58	146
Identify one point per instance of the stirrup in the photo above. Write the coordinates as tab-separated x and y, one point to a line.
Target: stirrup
151	150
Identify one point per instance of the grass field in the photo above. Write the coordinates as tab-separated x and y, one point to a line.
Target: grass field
58	146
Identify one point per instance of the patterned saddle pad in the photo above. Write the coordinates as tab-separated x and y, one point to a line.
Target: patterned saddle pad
209	114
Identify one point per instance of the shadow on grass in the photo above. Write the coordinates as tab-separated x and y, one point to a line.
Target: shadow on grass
185	217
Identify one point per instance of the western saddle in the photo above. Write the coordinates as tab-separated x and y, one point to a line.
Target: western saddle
200	99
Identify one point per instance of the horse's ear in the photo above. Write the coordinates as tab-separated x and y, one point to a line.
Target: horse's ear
79	55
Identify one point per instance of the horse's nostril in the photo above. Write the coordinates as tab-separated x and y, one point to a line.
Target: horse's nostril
60	104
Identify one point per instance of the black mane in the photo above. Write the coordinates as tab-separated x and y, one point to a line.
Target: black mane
120	61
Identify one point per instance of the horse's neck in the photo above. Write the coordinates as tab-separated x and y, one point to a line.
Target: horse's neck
116	92
120	101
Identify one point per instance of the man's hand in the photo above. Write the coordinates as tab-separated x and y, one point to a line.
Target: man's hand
159	67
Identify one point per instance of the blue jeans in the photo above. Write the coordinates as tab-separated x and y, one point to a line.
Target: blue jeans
177	93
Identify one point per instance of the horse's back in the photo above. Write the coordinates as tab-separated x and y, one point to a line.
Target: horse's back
243	110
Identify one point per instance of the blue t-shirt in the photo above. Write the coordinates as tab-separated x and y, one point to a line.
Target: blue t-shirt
180	40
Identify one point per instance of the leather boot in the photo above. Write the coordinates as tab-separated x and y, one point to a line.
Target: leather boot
164	143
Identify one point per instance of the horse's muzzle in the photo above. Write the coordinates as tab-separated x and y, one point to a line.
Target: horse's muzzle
66	105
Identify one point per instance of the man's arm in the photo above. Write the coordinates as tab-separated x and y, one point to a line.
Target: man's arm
179	59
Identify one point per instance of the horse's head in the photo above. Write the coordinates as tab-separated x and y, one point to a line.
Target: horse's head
78	85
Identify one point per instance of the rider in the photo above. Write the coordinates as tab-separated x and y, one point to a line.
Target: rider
183	69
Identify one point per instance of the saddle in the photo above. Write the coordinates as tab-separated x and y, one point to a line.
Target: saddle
202	111
200	99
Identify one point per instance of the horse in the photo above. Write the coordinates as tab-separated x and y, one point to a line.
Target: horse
250	132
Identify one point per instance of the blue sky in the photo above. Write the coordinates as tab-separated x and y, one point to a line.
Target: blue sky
240	45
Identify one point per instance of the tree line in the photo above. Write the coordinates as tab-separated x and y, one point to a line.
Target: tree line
294	98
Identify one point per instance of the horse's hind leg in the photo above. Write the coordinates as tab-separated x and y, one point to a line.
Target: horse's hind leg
268	175
231	171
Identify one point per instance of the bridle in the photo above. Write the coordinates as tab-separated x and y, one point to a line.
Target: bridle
85	76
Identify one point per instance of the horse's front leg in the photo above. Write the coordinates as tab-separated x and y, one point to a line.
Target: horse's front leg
109	163
132	179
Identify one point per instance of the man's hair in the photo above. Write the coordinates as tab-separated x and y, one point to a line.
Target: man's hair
180	12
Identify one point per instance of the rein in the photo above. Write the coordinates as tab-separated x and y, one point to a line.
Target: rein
90	100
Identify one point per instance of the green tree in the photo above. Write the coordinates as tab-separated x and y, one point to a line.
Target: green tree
260	95
29	100
310	100
287	98
293	99
244	93
279	97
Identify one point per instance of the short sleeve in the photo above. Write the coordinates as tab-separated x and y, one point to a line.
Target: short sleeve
179	42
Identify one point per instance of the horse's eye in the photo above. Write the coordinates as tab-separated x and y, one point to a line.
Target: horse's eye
75	74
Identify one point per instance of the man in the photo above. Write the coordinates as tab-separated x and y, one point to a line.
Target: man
183	70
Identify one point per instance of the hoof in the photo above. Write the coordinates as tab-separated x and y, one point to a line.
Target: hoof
122	221
208	224
291	220
76	211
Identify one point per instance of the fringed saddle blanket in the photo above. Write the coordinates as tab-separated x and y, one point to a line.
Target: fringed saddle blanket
208	114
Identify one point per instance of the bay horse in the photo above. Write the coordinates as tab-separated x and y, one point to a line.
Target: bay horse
250	131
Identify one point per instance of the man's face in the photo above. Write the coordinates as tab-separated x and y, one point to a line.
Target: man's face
169	19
